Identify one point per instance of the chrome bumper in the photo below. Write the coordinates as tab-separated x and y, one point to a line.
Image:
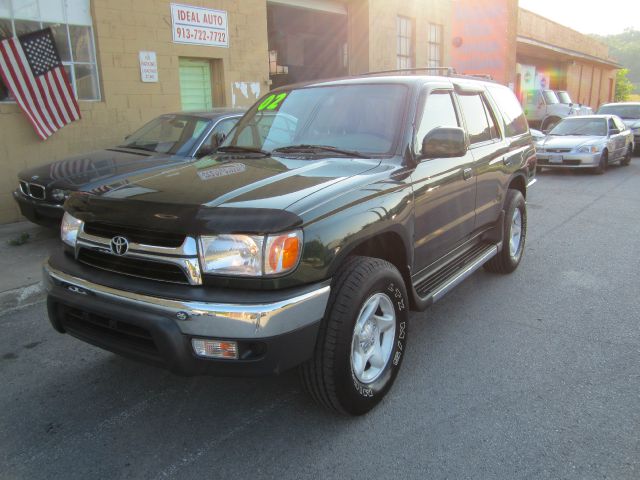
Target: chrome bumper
241	321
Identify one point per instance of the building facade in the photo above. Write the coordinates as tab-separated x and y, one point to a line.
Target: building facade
129	61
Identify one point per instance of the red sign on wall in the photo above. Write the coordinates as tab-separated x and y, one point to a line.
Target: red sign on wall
480	40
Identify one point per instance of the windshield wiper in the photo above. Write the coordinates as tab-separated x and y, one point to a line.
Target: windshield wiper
240	149
314	148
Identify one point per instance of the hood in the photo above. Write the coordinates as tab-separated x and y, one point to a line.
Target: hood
91	170
219	194
569	141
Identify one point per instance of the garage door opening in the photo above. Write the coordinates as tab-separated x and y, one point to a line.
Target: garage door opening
306	44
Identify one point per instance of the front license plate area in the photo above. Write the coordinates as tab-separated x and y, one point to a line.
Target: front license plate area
555	158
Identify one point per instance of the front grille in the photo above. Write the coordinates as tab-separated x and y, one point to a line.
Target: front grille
108	332
134	267
571	162
32	190
558	150
136	235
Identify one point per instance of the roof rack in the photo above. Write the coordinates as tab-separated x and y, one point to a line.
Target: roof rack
448	71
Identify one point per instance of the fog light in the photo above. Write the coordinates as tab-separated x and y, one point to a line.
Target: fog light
215	348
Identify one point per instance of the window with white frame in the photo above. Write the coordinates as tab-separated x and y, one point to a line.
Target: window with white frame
435	45
405	42
72	27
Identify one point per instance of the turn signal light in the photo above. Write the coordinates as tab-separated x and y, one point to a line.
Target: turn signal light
215	348
283	252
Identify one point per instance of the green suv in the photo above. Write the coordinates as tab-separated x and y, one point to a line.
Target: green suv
329	212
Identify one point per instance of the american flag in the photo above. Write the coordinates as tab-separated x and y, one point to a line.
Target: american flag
30	66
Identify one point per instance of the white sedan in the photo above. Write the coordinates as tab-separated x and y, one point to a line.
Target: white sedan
592	141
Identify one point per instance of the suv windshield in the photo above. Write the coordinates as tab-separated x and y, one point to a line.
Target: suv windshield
172	134
550	97
581	126
628	112
350	119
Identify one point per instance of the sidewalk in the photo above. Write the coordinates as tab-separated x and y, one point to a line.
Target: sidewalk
21	265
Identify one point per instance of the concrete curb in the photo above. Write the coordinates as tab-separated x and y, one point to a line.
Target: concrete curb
22	297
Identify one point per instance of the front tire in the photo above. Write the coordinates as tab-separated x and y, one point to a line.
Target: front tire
362	338
627	157
604	162
549	123
513	237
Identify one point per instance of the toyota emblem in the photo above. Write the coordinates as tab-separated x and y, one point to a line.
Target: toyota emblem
119	245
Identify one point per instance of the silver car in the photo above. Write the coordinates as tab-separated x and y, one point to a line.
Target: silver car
629	112
591	141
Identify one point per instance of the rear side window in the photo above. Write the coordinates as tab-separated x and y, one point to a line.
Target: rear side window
514	119
438	112
480	124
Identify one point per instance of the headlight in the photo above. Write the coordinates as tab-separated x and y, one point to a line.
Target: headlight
539	149
59	195
589	149
69	229
250	255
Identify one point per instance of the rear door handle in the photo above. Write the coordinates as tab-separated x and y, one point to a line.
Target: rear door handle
467	173
506	160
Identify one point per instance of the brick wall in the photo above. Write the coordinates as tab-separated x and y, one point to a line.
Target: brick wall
383	34
123	28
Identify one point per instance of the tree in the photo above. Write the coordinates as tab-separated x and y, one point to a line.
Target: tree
624	87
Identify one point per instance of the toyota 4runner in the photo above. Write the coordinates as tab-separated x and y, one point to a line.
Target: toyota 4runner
330	211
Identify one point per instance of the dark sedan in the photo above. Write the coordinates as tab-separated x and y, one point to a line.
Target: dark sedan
166	141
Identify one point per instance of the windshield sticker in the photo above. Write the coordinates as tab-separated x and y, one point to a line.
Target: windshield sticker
222	171
272	102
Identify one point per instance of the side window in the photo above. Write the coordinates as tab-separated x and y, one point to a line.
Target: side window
612	124
620	124
479	125
438	112
493	127
514	119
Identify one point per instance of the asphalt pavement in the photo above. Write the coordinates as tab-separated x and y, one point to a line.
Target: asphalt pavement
532	375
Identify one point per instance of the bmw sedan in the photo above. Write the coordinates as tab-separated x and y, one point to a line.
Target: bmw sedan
165	141
592	141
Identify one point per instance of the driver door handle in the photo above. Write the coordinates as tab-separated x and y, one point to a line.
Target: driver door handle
467	173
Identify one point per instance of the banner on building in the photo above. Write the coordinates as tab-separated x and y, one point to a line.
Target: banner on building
480	40
31	68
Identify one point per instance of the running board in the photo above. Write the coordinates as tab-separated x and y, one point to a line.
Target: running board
436	285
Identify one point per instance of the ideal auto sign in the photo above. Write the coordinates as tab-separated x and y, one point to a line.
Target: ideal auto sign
200	26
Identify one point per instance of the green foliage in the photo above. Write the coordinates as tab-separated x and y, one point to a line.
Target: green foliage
625	48
624	87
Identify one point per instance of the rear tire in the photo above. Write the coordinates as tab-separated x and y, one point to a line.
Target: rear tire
362	338
513	237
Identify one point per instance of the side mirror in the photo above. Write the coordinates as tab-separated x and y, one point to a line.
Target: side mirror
209	148
614	131
444	142
204	151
